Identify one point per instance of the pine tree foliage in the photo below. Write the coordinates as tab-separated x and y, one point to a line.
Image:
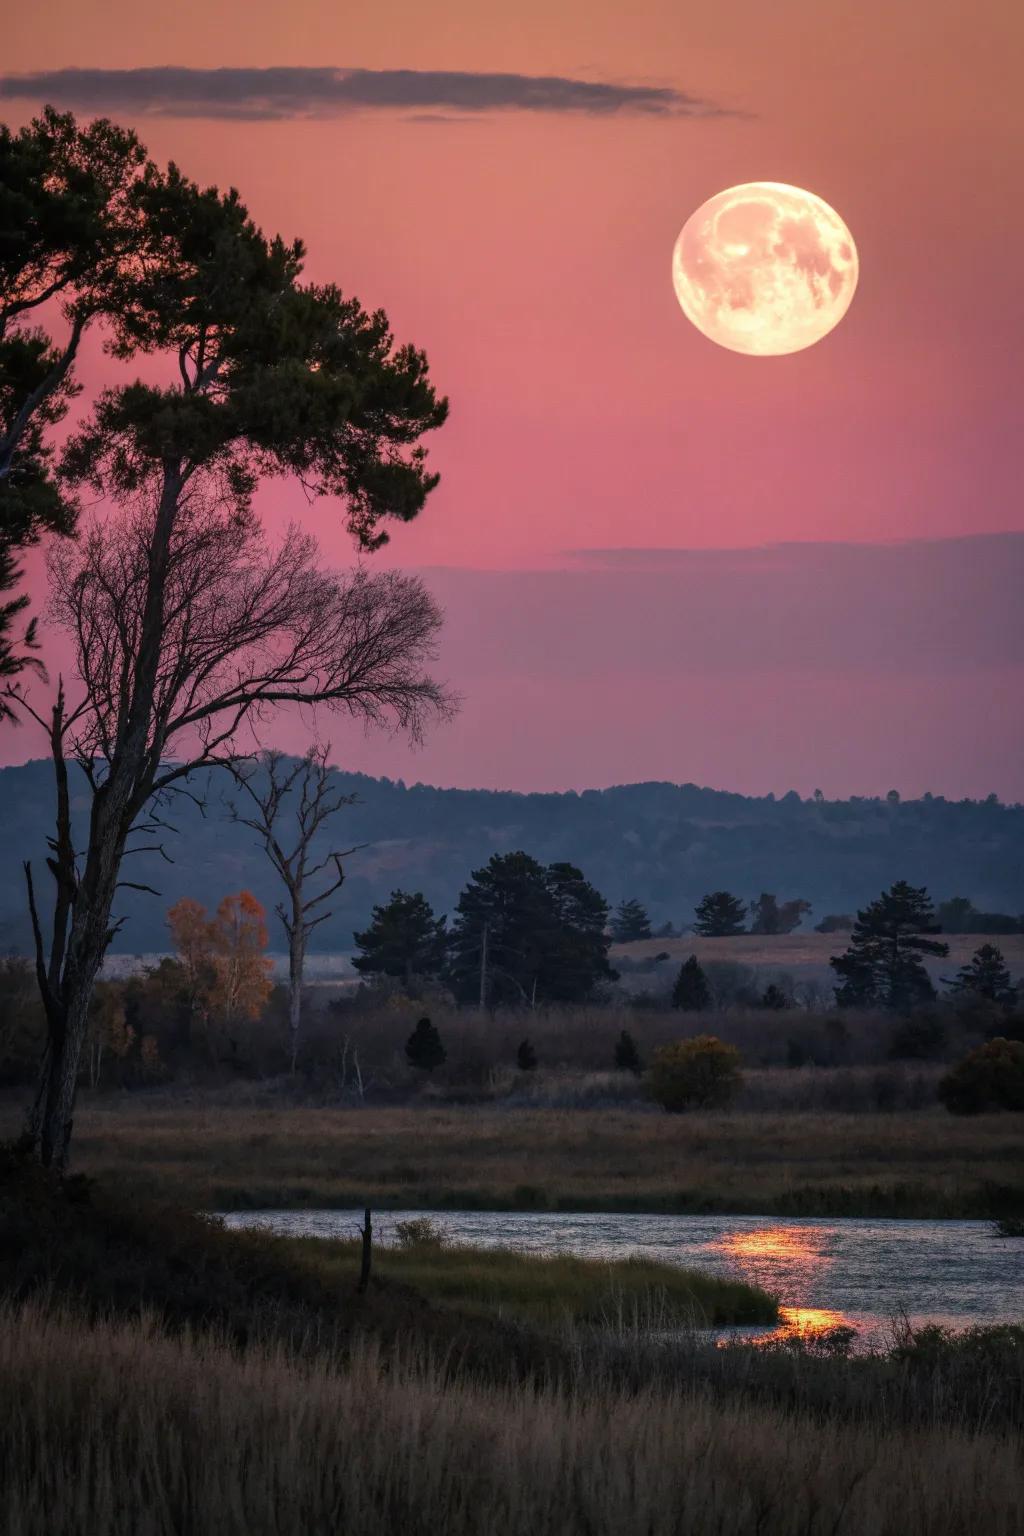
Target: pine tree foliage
986	975
404	939
769	916
67	224
691	992
720	915
630	922
525	934
883	967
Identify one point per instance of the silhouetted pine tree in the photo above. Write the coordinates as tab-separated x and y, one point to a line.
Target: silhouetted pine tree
883	967
691	991
987	975
630	922
720	916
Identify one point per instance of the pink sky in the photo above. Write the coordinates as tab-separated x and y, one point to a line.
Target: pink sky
529	254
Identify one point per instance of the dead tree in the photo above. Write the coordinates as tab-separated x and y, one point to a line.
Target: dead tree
303	795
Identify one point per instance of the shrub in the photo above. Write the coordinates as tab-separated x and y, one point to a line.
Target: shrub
702	1073
526	1057
774	998
990	1077
424	1048
627	1057
420	1232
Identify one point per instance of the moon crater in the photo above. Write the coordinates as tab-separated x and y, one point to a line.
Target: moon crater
765	268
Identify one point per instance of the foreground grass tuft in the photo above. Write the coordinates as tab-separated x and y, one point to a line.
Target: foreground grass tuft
121	1429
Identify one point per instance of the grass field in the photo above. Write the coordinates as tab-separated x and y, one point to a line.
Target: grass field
221	1155
116	1427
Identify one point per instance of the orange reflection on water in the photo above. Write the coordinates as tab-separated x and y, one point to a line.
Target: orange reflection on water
792	1243
805	1323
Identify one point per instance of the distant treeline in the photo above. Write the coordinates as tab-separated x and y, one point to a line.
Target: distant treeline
664	845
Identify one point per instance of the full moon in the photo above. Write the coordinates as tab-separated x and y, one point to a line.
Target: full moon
764	268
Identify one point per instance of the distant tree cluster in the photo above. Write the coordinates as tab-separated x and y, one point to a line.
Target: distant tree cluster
523	934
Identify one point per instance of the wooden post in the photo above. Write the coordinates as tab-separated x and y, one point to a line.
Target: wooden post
366	1232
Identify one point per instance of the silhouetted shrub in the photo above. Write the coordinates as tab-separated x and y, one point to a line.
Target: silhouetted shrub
702	1073
991	1077
424	1048
627	1057
526	1057
773	997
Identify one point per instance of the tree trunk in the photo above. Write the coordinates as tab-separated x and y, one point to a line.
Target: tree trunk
296	968
366	1255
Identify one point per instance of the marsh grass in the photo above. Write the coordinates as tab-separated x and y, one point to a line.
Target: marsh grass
121	1429
249	1151
547	1290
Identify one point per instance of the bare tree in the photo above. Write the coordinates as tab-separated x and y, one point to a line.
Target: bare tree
276	786
166	691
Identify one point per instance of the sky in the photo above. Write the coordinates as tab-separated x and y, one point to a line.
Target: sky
660	559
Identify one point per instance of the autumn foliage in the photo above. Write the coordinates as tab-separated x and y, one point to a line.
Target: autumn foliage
228	975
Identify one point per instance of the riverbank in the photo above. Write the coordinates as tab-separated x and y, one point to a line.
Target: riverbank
218	1153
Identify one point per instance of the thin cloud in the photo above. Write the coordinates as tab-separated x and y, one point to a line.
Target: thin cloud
169	91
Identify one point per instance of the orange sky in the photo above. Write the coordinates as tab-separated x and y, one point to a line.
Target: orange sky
529	254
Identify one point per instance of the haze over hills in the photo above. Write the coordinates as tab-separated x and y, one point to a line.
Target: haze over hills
666	844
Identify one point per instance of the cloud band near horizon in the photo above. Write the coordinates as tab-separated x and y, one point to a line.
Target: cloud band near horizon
307	91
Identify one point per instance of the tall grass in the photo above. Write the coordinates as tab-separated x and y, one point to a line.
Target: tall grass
547	1289
119	1429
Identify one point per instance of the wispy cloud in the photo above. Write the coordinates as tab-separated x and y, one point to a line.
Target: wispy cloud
170	91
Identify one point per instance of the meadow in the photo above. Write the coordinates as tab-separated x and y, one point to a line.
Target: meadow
117	1426
253	1148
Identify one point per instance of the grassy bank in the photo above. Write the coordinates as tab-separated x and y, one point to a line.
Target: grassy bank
156	1434
219	1154
543	1290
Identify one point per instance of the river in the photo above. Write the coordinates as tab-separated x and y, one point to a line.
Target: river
826	1272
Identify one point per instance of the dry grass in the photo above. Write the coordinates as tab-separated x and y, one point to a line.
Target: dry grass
119	1429
226	1154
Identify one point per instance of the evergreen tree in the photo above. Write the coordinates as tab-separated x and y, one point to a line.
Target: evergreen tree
883	967
526	1057
767	916
627	1057
691	991
774	997
720	916
424	1048
525	934
630	922
67	219
576	957
987	975
404	939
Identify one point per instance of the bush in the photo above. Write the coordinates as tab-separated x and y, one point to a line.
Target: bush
627	1057
991	1077
421	1232
424	1048
702	1073
526	1057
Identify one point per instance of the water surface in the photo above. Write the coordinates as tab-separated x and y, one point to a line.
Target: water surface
825	1272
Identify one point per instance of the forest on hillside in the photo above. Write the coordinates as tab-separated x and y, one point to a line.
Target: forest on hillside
665	844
